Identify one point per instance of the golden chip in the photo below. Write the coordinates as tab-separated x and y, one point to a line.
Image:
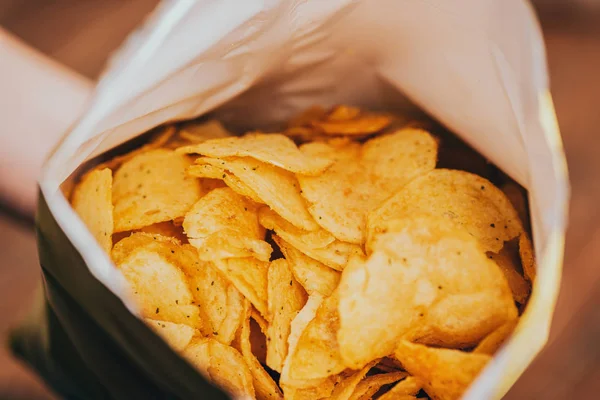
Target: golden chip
249	276
272	149
198	133
446	374
223	224
492	342
92	200
274	186
406	389
151	264
345	120
258	340
264	385
527	257
372	384
153	187
334	255
349	381
467	199
427	280
362	177
223	365
508	261
317	354
285	299
168	229
178	336
314	276
216	172
516	194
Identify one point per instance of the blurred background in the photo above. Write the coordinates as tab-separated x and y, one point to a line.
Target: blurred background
81	34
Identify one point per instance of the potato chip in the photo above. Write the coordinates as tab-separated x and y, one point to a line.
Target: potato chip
317	354
467	199
209	184
152	187
314	276
222	365
307	116
92	200
508	261
168	229
215	172
220	303
372	384
426	280
285	299
272	149
492	342
178	336
249	276
517	196
345	120
362	177
151	265
275	187
406	389
258	341
264	385
349	381
527	257
446	374
334	255
200	132
223	224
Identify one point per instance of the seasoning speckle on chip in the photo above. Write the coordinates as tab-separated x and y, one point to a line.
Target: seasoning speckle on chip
332	260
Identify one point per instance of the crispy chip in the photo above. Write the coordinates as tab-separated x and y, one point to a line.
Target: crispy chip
372	384
406	389
167	228
307	116
218	172
317	354
258	341
209	184
221	304
362	177
349	381
178	336
527	257
492	342
467	199
345	120
152	266
92	200
275	187
445	373
508	261
285	299
223	224
517	196
427	280
272	149
264	385
152	187
198	133
313	275
334	255
249	276
223	365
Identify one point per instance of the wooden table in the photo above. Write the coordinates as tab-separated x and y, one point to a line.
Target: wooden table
81	33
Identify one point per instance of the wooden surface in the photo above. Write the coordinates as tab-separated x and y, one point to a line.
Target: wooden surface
81	33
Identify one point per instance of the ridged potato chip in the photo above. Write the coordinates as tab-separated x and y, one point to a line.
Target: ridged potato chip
317	354
346	120
223	365
274	187
178	336
285	299
249	276
334	255
151	264
406	389
362	177
450	293
92	200
445	373
223	224
264	386
153	187
467	199
372	384
272	149
314	276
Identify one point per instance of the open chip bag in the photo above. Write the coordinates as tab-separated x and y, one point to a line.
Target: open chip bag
477	67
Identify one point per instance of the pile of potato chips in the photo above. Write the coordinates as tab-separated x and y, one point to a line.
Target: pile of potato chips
329	261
